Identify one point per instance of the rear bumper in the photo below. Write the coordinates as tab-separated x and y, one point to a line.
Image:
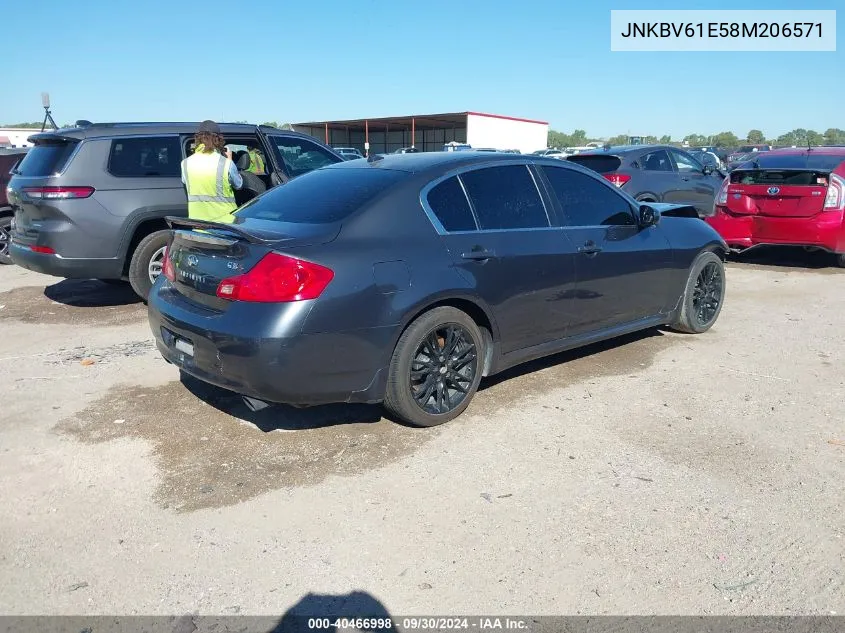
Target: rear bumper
258	351
824	230
69	268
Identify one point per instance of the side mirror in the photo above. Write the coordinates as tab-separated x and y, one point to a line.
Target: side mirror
649	216
708	169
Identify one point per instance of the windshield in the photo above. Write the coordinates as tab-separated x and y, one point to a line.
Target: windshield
321	197
805	160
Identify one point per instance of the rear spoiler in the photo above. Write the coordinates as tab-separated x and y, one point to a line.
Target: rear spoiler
176	222
51	136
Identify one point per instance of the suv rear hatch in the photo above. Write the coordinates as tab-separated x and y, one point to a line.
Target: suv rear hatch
604	164
796	185
32	188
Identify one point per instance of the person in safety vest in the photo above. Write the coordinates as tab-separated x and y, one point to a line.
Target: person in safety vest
210	177
256	161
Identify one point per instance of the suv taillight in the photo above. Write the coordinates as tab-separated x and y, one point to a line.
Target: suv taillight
167	265
617	179
722	197
275	279
58	193
835	198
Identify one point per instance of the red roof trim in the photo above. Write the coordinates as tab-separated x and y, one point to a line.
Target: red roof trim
508	118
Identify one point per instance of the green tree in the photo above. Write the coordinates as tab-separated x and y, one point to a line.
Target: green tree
24	125
619	139
756	137
724	139
270	124
695	139
665	139
834	136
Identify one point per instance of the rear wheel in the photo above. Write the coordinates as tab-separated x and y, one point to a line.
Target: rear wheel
840	260
703	296
436	368
146	263
5	238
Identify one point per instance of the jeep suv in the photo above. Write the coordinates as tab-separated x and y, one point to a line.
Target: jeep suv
8	159
91	201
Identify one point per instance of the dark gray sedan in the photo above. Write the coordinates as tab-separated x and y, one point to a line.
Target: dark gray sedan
405	279
657	173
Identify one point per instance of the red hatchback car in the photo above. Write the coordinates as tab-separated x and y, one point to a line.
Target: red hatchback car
788	197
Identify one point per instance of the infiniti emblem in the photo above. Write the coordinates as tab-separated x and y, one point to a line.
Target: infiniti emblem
773	191
193	261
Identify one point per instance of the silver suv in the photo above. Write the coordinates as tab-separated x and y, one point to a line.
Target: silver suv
90	201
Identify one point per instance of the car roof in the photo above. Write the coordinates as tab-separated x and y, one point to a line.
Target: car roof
824	150
625	149
443	161
99	130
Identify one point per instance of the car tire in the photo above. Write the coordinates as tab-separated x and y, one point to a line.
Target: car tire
5	238
424	388
840	260
143	262
703	296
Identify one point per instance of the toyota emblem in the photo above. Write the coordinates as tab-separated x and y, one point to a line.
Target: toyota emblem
773	191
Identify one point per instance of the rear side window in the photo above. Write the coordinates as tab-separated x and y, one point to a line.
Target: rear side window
450	205
145	156
321	197
505	198
656	161
46	159
600	163
585	201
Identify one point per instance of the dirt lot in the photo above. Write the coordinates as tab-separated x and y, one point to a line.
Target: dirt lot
660	474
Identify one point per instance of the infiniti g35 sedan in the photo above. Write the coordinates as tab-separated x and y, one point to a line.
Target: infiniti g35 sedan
405	279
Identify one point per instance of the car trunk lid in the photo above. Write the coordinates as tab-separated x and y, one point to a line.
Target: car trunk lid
202	254
778	192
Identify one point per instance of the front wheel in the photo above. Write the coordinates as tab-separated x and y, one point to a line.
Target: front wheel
147	261
703	295
436	368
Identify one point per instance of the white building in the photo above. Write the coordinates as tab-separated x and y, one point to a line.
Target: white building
430	132
16	136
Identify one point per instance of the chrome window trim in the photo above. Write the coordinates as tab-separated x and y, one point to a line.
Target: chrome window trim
457	172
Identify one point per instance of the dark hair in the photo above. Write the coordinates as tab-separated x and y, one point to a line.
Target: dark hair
210	140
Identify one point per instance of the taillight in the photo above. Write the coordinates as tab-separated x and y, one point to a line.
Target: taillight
167	267
617	179
46	250
722	198
277	278
835	198
58	193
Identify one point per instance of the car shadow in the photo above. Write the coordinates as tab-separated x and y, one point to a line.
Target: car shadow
785	257
281	416
91	293
568	356
329	607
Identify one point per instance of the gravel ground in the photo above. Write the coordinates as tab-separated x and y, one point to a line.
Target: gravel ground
662	473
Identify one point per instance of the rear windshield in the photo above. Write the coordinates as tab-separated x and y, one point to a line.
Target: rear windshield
807	160
597	162
45	159
322	196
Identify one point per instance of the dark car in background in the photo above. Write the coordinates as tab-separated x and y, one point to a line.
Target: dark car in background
349	153
8	159
429	272
656	173
735	155
788	197
739	159
90	200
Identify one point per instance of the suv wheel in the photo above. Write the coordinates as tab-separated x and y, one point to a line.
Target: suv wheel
5	238
436	368
146	262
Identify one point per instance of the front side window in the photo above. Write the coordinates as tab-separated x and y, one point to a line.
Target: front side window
505	198
299	156
585	201
657	161
146	156
686	163
450	205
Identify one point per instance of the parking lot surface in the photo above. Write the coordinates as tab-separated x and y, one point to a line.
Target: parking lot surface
661	473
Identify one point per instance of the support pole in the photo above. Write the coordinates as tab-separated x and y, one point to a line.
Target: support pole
413	132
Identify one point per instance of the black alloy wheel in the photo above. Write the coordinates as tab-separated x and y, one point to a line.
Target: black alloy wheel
443	369
707	295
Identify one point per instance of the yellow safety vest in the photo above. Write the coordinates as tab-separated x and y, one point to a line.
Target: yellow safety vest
256	162
210	194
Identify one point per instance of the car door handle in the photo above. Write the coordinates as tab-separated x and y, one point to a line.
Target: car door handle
478	255
589	248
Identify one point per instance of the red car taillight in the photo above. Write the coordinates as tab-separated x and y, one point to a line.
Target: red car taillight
167	266
617	179
722	197
58	193
46	250
277	278
835	198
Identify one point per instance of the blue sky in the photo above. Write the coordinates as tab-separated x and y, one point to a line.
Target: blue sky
333	59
